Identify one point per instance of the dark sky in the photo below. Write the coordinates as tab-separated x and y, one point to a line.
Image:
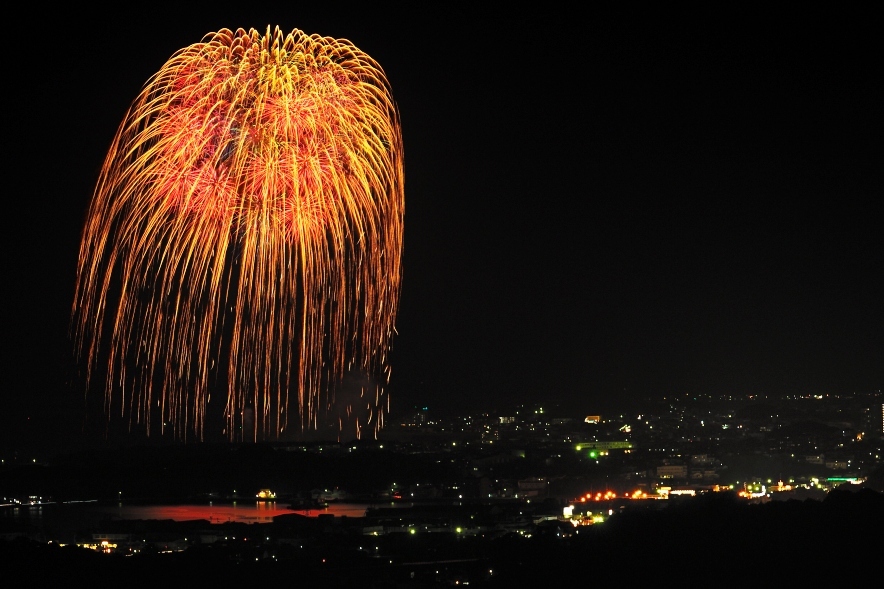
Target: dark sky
599	207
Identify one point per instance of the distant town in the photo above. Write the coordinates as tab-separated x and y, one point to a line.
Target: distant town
475	483
756	446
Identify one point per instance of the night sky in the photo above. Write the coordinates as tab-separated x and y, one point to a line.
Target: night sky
600	208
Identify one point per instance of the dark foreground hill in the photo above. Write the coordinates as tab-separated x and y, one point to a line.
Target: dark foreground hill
715	539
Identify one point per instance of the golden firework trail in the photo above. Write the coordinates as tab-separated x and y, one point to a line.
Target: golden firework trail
247	222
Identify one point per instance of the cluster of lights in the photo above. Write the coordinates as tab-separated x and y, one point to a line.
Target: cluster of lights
610	495
104	546
587	520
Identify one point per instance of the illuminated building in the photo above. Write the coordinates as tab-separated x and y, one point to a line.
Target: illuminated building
672	471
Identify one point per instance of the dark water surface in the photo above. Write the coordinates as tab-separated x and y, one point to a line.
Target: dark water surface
248	512
84	515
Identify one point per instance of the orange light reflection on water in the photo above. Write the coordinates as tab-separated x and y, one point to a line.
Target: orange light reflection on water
217	513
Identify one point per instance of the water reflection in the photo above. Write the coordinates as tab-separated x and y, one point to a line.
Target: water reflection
82	515
257	512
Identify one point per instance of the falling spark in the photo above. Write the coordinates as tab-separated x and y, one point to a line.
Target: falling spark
247	221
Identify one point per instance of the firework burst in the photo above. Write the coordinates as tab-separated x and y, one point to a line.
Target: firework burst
246	229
